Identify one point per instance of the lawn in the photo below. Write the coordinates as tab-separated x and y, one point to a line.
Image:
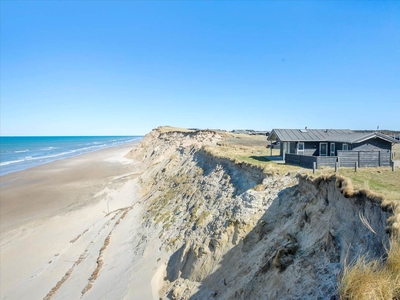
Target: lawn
382	180
252	149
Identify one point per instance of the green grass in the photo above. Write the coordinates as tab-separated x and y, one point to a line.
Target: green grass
382	180
250	149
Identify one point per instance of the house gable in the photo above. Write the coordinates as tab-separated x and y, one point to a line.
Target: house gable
372	144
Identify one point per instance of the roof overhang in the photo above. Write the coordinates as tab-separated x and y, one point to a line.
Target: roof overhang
375	135
332	135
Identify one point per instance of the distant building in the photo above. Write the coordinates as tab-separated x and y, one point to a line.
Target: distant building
250	131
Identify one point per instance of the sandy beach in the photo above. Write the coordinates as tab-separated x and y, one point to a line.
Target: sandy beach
70	230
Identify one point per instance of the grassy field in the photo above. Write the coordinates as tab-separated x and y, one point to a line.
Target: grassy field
165	129
382	180
252	149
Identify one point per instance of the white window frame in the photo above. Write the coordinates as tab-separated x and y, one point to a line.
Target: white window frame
333	146
300	152
320	147
345	145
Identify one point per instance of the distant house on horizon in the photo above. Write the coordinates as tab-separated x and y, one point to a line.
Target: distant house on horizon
325	147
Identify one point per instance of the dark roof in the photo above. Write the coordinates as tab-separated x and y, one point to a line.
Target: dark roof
323	135
375	134
288	135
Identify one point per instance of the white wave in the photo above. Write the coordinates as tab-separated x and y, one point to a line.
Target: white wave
66	154
11	162
21	151
49	148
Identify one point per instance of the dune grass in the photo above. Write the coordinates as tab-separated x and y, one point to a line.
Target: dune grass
375	279
165	129
382	180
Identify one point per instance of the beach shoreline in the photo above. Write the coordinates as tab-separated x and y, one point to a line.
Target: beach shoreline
56	218
51	188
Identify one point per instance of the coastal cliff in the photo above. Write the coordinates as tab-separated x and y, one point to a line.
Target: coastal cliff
196	214
232	230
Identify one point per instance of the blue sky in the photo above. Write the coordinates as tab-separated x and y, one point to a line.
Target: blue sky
126	67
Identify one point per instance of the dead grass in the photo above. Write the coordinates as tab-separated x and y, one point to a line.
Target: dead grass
165	129
250	149
346	187
259	188
376	182
75	239
374	279
396	152
365	280
393	260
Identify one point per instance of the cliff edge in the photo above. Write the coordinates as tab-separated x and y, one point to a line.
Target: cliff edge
231	230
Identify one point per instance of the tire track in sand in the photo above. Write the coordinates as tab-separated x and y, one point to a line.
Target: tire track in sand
119	215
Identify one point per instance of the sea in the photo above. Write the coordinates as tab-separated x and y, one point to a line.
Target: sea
21	153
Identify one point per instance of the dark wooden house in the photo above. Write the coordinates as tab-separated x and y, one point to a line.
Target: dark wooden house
325	147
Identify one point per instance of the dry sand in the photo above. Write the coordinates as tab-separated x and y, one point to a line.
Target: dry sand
72	229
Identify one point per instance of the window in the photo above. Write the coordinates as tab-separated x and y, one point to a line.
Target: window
323	149
300	148
345	146
333	149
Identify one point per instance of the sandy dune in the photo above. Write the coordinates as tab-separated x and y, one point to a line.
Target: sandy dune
71	229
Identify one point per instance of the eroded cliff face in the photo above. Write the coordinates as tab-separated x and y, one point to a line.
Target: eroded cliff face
233	232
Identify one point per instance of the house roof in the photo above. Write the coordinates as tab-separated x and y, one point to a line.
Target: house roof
292	135
324	135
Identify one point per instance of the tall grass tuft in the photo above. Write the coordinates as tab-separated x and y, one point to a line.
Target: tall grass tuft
375	279
393	265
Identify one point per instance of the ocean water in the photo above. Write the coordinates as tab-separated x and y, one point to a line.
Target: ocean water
21	153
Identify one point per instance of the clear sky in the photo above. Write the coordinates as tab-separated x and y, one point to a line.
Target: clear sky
126	67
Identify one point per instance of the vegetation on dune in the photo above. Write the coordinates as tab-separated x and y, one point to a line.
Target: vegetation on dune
252	150
362	279
249	149
381	181
375	279
166	129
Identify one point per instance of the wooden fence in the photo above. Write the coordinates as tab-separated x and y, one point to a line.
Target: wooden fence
344	158
364	158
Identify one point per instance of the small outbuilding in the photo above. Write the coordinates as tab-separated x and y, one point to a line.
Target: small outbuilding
325	147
